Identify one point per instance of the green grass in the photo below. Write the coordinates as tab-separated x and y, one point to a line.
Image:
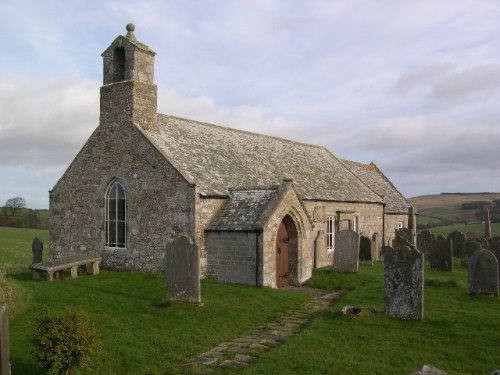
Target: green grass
15	244
471	230
459	333
425	220
138	336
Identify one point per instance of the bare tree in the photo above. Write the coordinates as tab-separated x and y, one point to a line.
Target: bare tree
14	204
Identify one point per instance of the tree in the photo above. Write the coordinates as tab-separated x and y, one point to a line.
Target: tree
14	204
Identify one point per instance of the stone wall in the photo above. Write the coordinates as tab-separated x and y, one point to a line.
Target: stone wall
391	225
369	217
233	256
77	202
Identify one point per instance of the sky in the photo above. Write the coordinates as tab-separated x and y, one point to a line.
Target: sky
413	86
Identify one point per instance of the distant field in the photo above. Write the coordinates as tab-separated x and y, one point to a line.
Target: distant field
448	206
471	230
424	219
15	244
19	217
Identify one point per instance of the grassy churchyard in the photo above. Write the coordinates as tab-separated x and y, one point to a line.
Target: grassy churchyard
459	333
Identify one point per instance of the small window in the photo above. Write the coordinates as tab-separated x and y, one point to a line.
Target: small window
330	233
400	224
116	216
119	64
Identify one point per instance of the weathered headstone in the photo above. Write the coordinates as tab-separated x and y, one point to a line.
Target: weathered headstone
441	254
458	238
365	250
403	282
320	256
346	255
424	241
4	341
404	237
470	247
495	249
37	250
483	273
183	271
487	225
376	246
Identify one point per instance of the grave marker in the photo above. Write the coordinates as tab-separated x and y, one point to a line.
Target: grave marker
483	273
441	254
424	242
346	255
365	250
37	250
320	256
470	247
4	341
183	271
458	238
403	282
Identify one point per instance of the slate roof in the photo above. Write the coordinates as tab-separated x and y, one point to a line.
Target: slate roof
244	210
375	179
218	159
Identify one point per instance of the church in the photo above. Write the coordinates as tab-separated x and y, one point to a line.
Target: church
262	210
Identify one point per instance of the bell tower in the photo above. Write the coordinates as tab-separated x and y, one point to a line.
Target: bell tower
128	93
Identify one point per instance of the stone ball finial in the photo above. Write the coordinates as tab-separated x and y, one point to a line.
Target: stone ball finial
130	27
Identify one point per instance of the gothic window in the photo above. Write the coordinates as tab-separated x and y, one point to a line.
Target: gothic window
330	233
116	216
119	64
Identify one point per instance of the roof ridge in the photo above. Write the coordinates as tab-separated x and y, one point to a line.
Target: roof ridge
241	131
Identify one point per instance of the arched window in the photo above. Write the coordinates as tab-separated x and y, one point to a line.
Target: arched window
119	64
116	216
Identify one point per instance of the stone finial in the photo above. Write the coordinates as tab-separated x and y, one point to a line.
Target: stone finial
130	31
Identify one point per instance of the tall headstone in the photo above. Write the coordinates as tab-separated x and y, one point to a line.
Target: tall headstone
424	241
403	282
441	254
458	238
412	225
4	341
365	250
404	237
37	250
483	273
487	225
346	255
470	247
182	271
376	246
320	256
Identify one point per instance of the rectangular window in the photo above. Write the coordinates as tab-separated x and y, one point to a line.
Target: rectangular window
330	233
400	224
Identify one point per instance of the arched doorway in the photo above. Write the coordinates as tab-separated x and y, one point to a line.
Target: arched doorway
286	252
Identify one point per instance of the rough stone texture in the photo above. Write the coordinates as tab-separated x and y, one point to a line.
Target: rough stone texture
441	254
391	225
404	282
470	247
346	255
37	250
429	370
495	248
321	259
183	271
365	250
4	341
458	239
376	246
424	242
404	237
483	273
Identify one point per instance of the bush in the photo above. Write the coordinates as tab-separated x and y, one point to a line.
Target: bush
62	342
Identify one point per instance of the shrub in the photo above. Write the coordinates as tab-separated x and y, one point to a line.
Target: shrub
65	341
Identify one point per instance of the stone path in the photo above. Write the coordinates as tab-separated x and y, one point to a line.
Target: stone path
241	351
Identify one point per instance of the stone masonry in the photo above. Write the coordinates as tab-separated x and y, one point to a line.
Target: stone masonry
4	341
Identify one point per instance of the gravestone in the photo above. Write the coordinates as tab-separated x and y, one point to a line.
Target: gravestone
376	246
346	255
365	250
4	341
470	247
458	238
424	241
320	255
182	271
483	273
495	249
441	254
37	250
403	282
404	237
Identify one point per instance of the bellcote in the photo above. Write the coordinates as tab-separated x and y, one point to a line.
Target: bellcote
127	59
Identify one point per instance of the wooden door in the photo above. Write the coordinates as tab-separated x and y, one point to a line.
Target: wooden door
282	271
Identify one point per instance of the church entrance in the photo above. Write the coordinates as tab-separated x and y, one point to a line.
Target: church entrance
286	251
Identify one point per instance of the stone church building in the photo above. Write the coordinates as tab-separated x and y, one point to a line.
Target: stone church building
262	210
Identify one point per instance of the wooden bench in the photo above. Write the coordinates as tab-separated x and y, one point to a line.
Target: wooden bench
52	269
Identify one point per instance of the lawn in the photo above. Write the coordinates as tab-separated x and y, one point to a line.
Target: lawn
459	333
471	230
15	244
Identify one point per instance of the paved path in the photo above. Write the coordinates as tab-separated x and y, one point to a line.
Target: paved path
241	351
